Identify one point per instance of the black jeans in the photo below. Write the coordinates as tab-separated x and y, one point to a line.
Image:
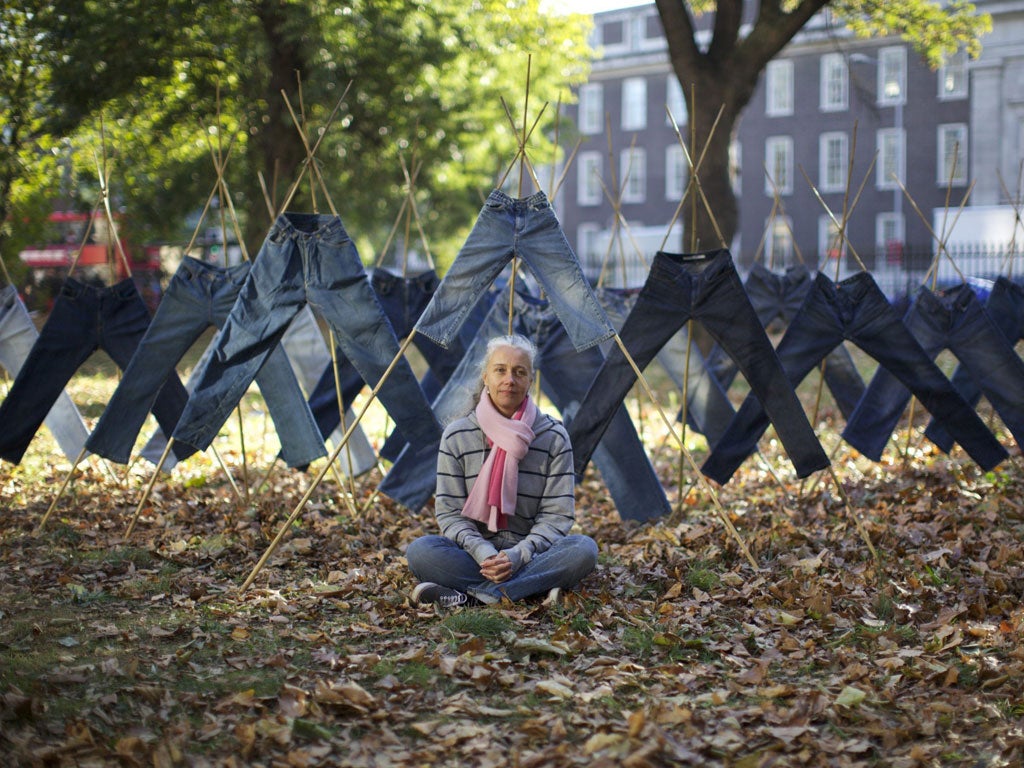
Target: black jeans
704	286
855	309
84	318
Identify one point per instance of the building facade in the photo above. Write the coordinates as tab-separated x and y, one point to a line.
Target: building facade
923	141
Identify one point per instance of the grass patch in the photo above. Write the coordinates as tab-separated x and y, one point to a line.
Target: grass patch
478	623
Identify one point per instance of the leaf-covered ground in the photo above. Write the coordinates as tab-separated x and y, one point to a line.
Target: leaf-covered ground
143	651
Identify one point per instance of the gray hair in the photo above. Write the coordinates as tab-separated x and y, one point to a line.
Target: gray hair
514	340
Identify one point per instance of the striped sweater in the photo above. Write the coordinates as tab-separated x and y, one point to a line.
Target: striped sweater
545	506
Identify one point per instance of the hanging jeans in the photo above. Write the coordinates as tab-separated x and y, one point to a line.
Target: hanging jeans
957	321
703	286
528	228
564	374
776	296
857	310
84	318
200	295
708	409
17	335
306	258
403	300
1005	308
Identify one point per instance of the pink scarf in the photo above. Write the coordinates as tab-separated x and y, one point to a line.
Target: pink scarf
493	496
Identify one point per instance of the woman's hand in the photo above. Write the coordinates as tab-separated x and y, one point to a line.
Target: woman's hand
496	568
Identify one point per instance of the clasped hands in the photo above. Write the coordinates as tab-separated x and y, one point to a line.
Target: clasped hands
496	568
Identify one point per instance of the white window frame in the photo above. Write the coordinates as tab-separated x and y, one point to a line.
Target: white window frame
588	178
736	166
677	172
955	69
949	135
675	102
779	88
835	83
892	76
588	237
886	139
884	221
591	109
785	183
633	174
828	234
634	104
832	178
778	244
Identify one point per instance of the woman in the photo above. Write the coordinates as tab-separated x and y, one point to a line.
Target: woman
504	499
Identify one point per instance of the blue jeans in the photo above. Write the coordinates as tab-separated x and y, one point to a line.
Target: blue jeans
403	300
953	320
777	296
17	336
708	409
564	374
1005	308
704	286
84	318
854	309
306	258
528	228
199	295
442	561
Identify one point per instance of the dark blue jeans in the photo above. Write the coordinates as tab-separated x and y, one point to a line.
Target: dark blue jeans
564	374
703	286
857	310
200	295
953	320
84	318
778	296
527	228
403	300
306	258
1005	308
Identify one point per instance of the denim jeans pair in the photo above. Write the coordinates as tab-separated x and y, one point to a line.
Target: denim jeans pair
705	287
403	300
83	319
955	320
527	228
708	409
854	309
440	560
778	296
17	336
307	258
1005	308
199	295
564	373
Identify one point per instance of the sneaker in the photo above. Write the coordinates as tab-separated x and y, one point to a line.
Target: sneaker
446	597
554	596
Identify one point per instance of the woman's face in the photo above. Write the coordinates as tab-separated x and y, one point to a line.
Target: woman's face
507	378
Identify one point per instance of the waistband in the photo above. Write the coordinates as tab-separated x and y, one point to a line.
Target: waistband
707	263
855	287
535	202
958	297
75	289
384	281
308	225
197	268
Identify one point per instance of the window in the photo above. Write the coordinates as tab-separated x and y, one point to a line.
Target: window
889	237
736	166
833	159
634	104
588	249
780	241
778	159
953	77
633	175
952	161
834	83
891	143
675	102
892	76
676	173
613	33
828	238
591	111
779	85
588	178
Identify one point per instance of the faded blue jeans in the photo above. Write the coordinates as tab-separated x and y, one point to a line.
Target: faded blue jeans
306	258
703	286
199	295
1005	308
776	296
953	320
564	374
17	336
440	560
527	228
857	310
84	318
